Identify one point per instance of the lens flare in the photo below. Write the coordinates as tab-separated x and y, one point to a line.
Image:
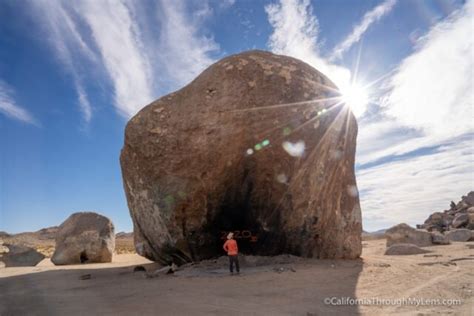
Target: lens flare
356	97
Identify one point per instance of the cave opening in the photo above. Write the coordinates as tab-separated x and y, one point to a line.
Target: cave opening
83	257
240	213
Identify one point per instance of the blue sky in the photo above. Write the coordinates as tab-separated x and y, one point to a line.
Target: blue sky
71	75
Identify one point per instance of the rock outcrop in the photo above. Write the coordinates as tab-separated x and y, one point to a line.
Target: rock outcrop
404	234
404	249
19	256
459	215
85	237
258	144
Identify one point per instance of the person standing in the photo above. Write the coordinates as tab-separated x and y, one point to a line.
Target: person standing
230	246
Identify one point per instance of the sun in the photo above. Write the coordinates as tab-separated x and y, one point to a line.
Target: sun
356	97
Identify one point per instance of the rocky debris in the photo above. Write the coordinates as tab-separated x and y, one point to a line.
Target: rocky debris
163	271
85	237
459	234
457	216
19	256
404	249
222	155
404	234
439	238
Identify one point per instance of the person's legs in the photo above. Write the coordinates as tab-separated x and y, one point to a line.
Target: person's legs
231	264
237	263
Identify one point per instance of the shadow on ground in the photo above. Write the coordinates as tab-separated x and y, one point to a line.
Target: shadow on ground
280	289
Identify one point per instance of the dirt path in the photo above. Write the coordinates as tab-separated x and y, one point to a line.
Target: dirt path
260	290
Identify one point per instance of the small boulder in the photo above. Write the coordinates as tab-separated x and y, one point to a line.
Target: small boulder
19	256
85	237
460	220
470	220
404	249
404	234
458	234
439	239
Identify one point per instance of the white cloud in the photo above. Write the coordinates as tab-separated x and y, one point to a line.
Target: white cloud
370	17
433	89
68	43
295	33
426	122
9	107
185	53
119	44
143	55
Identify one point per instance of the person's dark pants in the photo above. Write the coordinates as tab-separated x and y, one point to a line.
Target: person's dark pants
234	259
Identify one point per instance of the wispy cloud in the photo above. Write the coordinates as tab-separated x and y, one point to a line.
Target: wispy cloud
359	29
9	107
414	188
295	33
116	35
133	48
184	52
68	43
421	143
433	88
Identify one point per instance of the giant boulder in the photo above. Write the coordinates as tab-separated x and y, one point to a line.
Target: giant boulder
259	144
85	237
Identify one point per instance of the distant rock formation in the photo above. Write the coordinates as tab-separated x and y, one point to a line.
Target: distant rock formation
259	144
85	237
459	215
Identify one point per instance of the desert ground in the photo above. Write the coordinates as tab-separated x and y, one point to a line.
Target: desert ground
281	286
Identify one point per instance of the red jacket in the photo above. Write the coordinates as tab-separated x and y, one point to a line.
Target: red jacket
231	247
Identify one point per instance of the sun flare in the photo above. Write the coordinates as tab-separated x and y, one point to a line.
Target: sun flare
356	97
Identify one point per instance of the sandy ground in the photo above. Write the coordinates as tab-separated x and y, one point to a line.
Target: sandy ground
208	289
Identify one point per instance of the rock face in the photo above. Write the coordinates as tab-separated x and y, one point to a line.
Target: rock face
404	234
85	237
258	144
19	256
404	249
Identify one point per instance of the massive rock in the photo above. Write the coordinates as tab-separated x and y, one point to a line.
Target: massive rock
85	237
259	144
404	234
